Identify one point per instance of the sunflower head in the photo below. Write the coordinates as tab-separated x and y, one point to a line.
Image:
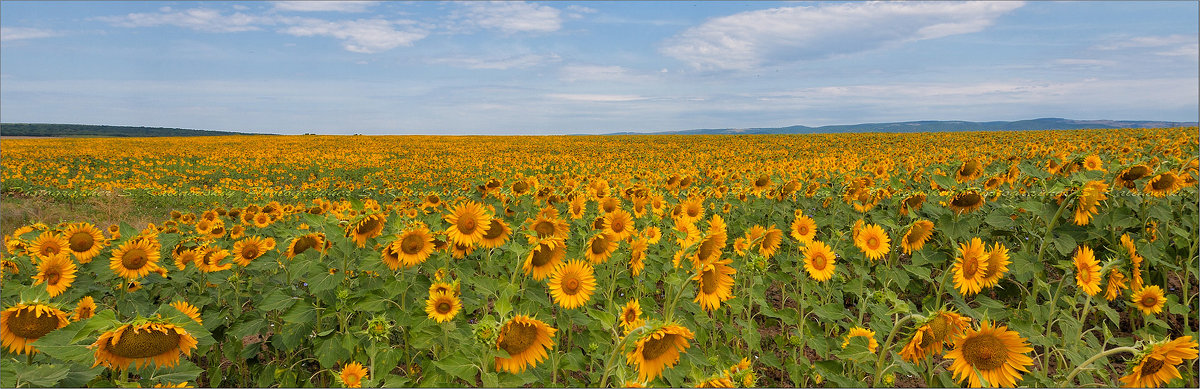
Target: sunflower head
411	248
873	241
819	261
1155	365
1087	270
84	241
715	284
970	267
804	229
993	353
1149	300
442	306
469	221
631	316
572	284
659	349
965	202
58	272
24	323
135	258
368	227
526	341
545	256
352	375
142	342
916	236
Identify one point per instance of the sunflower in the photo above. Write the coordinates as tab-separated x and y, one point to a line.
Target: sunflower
249	249
819	261
933	334
618	224
442	306
1116	282
544	258
189	310
715	284
577	207
84	241
369	227
970	267
965	202
141	342
659	349
600	247
85	309
1093	162
1149	300
47	245
497	234
969	170
185	257
352	375
58	272
712	244
411	248
804	228
468	223
916	236
262	220
1155	365
135	258
302	243
692	209
1128	176
1087	270
526	340
210	259
872	344
1089	198
461	250
998	261
993	353
631	316
770	242
912	204
637	256
572	284
873	241
1163	184
24	323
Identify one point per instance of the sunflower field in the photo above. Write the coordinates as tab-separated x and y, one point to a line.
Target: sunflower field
1038	259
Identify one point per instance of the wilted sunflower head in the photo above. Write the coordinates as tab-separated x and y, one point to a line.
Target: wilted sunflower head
24	323
141	342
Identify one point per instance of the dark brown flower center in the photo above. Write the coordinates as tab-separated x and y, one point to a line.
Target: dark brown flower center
571	286
600	245
412	244
1149	301
985	352
144	343
542	255
81	241
444	307
708	281
367	226
518	337
544	228
466	224
819	261
26	324
1151	365
655	348
495	229
1164	182
134	259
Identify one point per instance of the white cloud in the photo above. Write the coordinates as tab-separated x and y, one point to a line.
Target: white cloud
200	19
510	17
577	11
780	35
8	34
360	36
598	98
1149	41
1084	62
573	73
323	6
501	63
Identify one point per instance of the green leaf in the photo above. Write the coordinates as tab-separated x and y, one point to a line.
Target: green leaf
43	375
1065	244
277	300
457	366
1000	219
330	352
185	371
831	311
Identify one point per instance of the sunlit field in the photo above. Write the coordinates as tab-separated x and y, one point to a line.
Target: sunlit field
1039	259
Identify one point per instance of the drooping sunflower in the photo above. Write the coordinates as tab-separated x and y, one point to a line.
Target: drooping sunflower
600	247
770	242
547	224
970	267
872	344
85	309
188	309
24	323
1131	174
210	259
1116	282
496	235
618	224
84	241
997	259
873	242
352	375
631	316
249	249
1089	198
461	250
911	204
819	261
572	284
135	259
442	306
47	245
1163	184
933	334
968	171
637	256
1087	270
965	202
1155	365
526	340
659	349
803	229
303	243
544	258
916	236
715	284
141	342
369	227
1149	300
993	352
469	221
58	272
186	256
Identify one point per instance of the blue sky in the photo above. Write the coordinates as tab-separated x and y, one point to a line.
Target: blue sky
591	67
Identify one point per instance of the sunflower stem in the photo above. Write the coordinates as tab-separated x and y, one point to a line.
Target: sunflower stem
886	349
1070	377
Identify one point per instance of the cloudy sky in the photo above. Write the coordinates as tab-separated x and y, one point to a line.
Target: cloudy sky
590	67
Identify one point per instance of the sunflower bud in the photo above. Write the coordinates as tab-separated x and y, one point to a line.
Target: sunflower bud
593	347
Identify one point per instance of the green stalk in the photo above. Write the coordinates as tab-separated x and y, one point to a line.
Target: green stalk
886	349
1070	377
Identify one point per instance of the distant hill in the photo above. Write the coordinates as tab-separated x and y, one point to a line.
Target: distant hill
88	130
941	126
